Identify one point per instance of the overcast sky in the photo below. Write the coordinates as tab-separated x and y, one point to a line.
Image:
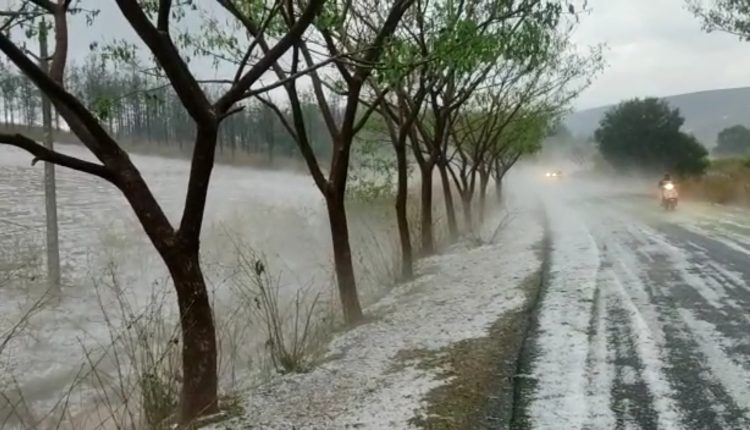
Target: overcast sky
655	48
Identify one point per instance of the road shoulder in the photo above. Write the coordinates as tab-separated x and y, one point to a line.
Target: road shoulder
453	331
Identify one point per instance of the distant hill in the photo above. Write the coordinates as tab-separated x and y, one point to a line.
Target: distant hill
706	113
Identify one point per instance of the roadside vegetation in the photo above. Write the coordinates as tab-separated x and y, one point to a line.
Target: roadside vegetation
454	93
644	136
726	182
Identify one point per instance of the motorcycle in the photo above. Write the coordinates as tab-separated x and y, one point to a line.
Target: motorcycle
669	196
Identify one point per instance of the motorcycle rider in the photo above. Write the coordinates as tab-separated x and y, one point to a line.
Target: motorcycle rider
666	179
667	193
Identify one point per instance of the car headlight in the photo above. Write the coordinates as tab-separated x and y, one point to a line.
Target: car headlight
669	187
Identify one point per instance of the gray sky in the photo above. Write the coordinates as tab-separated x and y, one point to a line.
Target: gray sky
655	48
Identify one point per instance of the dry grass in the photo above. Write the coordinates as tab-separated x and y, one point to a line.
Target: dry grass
137	375
296	330
726	182
134	376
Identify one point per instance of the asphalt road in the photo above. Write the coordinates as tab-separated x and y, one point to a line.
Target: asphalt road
648	313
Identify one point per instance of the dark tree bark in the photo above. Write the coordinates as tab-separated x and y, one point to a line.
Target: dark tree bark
450	208
342	255
400	121
407	258
484	180
198	336
464	182
342	129
426	163
468	216
427	227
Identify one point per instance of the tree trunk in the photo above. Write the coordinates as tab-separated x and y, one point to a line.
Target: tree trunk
181	256
499	189
450	209
468	218
270	148
484	180
428	238
407	263
199	368
342	256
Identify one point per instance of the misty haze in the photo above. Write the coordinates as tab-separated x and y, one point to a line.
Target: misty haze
399	214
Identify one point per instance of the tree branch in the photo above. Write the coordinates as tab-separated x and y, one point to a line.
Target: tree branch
369	111
320	96
271	56
279	115
165	7
45	4
248	53
85	125
41	153
334	52
190	93
289	78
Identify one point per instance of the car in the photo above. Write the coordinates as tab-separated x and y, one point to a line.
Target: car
554	174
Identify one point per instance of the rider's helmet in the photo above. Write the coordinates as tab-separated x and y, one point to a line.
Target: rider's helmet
667	177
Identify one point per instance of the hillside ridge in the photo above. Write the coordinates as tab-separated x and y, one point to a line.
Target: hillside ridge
706	113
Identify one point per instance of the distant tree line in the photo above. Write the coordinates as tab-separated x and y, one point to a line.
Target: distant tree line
143	109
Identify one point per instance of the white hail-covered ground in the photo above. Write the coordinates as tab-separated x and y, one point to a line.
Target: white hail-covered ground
642	323
457	296
279	214
361	383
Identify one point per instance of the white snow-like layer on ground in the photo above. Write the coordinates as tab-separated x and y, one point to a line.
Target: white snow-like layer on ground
643	316
713	346
600	366
364	384
559	369
278	213
647	338
592	250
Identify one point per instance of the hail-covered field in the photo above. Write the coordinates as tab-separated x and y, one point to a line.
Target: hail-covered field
111	273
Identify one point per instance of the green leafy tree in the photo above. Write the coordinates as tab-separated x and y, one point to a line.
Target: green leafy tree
645	135
471	45
729	16
734	140
354	39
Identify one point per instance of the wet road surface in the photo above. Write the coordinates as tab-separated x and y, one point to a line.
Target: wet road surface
644	321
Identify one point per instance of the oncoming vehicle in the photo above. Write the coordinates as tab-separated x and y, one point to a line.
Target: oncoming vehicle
669	195
554	174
